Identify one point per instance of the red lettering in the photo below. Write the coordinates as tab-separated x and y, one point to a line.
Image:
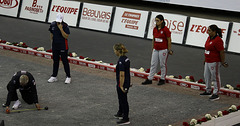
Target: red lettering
180	25
34	3
198	28
192	29
58	8
174	26
53	7
204	29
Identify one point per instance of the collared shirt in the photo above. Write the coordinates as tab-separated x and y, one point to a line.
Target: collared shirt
160	42
59	42
123	64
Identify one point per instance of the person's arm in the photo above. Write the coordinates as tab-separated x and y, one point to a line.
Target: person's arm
170	45
153	42
51	37
222	56
122	79
64	34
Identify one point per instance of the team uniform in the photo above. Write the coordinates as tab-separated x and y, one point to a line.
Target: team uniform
59	48
160	52
212	63
123	64
28	92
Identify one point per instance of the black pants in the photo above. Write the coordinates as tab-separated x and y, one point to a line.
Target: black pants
123	103
64	57
26	96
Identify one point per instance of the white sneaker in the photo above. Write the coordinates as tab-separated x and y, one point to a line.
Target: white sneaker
52	79
68	80
16	105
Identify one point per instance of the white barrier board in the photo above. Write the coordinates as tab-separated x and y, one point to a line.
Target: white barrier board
69	9
96	17
197	31
34	9
175	23
9	7
130	22
234	42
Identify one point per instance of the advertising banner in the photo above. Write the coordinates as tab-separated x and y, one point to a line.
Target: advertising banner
197	31
9	7
69	9
34	9
130	22
234	42
96	17
175	23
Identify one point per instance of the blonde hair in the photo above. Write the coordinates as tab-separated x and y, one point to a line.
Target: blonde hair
23	80
120	48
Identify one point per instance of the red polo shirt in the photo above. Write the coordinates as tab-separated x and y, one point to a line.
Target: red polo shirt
160	42
212	49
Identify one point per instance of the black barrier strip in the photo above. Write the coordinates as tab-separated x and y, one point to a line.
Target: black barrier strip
48	10
230	26
79	14
186	31
19	8
148	23
112	19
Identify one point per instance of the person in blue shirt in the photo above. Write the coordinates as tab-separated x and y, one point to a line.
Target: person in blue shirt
123	83
59	32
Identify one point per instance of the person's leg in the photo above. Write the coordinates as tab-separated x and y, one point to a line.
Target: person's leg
154	64
207	77
163	56
64	57
215	72
56	58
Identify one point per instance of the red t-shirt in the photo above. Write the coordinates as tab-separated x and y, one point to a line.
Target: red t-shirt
212	49
160	42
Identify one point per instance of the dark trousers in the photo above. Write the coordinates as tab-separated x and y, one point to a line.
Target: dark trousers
64	57
26	96
123	103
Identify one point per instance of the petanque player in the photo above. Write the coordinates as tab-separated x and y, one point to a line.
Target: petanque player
123	83
25	82
161	47
59	32
214	58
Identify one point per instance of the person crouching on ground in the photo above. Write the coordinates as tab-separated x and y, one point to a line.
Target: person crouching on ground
25	82
123	83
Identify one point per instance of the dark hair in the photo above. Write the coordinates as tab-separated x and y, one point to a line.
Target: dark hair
217	29
161	18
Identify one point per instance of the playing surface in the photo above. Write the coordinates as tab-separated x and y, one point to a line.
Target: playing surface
91	99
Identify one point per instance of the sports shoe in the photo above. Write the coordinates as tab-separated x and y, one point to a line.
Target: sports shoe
68	80
118	116
4	105
16	105
205	94
214	97
161	82
52	79
123	122
147	82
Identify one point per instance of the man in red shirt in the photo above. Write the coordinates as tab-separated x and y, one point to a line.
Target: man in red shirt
214	57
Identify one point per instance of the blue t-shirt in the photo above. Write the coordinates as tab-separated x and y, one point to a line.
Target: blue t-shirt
59	42
123	64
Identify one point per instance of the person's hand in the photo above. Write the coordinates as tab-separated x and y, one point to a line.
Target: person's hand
170	52
7	110
59	26
38	106
123	90
225	64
